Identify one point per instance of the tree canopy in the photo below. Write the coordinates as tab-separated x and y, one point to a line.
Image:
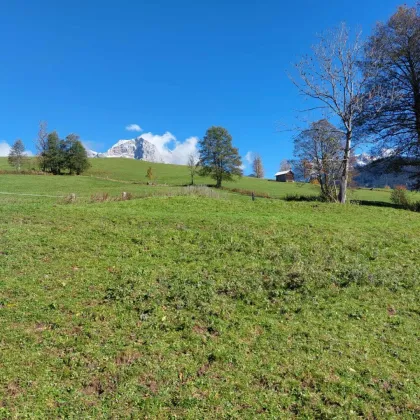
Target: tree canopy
218	158
392	60
17	155
60	155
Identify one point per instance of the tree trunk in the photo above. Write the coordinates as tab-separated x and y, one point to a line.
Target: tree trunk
219	182
345	175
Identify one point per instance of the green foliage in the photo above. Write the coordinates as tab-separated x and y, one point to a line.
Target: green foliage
76	159
53	156
17	155
149	174
68	154
218	158
399	196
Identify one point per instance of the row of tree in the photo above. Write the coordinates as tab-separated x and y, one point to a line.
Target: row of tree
57	155
372	89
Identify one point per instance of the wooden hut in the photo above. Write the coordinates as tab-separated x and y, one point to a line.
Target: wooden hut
285	176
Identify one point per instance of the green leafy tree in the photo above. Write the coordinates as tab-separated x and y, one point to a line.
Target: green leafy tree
54	154
17	155
218	158
75	155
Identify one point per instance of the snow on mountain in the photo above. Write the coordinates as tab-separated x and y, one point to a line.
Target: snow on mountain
137	148
123	148
91	153
364	158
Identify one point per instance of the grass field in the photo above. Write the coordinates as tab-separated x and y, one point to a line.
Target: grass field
132	174
176	306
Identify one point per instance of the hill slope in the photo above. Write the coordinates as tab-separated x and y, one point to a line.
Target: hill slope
206	308
130	171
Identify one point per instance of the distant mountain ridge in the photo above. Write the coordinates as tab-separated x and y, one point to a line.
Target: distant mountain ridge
137	148
379	173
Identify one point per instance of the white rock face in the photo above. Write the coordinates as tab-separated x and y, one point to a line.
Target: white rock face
364	159
91	153
146	151
137	148
123	148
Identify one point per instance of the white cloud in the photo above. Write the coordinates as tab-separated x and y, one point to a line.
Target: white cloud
4	149
249	157
170	149
133	127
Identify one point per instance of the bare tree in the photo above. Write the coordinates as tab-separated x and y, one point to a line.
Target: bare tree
285	165
42	144
393	62
193	166
333	77
319	150
257	166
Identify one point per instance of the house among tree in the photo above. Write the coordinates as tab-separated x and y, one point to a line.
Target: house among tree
285	176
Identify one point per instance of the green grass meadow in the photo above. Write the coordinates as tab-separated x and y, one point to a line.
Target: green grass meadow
107	174
203	305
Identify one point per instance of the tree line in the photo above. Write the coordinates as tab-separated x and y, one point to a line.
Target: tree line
372	89
369	88
54	155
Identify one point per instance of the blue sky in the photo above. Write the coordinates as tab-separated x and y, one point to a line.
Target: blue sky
94	67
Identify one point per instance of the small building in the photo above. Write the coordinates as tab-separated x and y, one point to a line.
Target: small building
285	176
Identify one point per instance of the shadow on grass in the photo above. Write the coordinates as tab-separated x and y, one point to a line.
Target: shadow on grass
312	198
377	204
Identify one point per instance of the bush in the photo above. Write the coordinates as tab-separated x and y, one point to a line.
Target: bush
399	196
297	197
387	187
99	198
415	206
314	181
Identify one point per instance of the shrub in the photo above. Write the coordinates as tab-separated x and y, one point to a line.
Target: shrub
314	181
399	196
71	198
126	196
297	197
150	175
415	206
387	187
98	198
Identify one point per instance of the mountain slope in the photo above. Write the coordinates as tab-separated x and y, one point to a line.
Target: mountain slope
137	148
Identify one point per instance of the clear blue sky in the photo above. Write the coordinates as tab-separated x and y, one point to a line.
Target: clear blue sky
93	67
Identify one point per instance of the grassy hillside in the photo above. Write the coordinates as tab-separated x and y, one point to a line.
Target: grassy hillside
196	307
134	171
